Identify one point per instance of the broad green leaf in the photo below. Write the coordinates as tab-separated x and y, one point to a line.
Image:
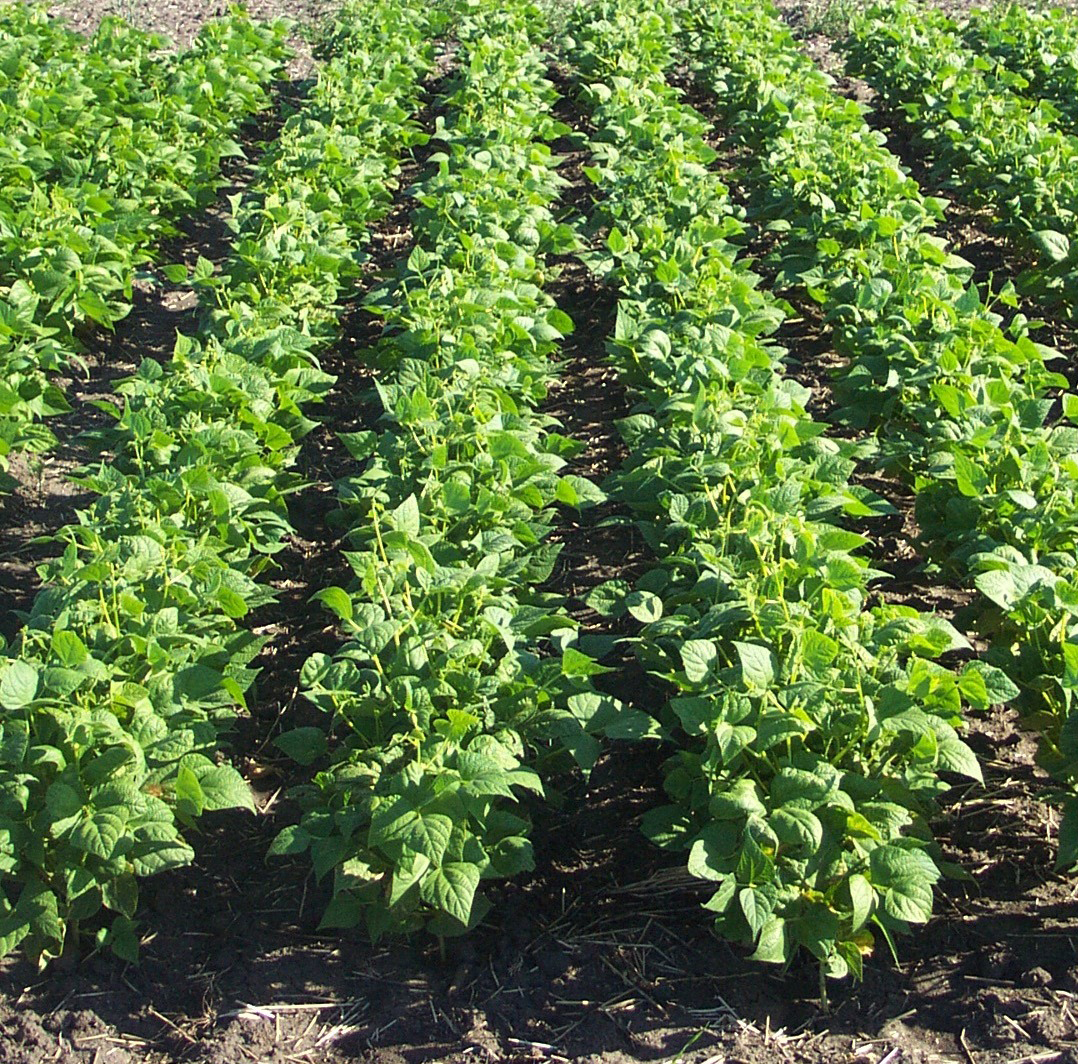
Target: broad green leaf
1055	247
757	665
608	599
577	665
290	841
336	600
904	879
737	801
123	939
714	853
698	657
224	788
797	829
668	826
18	685
121	894
63	801
98	834
303	745
644	606
425	833
578	492
772	946
862	900
756	907
451	888
969	477
999	586
956	756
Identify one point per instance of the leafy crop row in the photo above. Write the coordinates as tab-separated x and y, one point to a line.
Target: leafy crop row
134	657
459	690
1001	149
1041	46
814	728
961	409
103	145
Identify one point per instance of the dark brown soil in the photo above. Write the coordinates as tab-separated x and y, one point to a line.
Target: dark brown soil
603	954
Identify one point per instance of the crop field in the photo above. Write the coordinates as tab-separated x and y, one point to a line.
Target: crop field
538	531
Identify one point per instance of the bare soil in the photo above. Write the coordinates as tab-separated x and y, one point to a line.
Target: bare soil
603	954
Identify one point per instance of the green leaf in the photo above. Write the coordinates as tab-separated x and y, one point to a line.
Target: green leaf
644	606
753	865
451	888
969	477
63	801
999	689
797	829
303	745
292	840
714	853
757	665
98	835
405	518
189	795
577	665
773	946
158	849
1055	247
698	657
956	756
720	901
94	307
578	492
512	856
18	685
862	900
999	586
737	801
196	682
819	650
175	273
608	599
756	908
425	833
123	939
1070	407
904	879
69	648
668	826
343	911
121	894
408	872
336	600
974	689
224	788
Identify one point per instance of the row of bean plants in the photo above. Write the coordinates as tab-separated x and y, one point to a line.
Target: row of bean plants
814	728
997	148
1039	45
459	691
133	660
961	409
104	145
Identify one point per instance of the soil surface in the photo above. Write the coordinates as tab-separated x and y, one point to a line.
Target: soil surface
604	953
